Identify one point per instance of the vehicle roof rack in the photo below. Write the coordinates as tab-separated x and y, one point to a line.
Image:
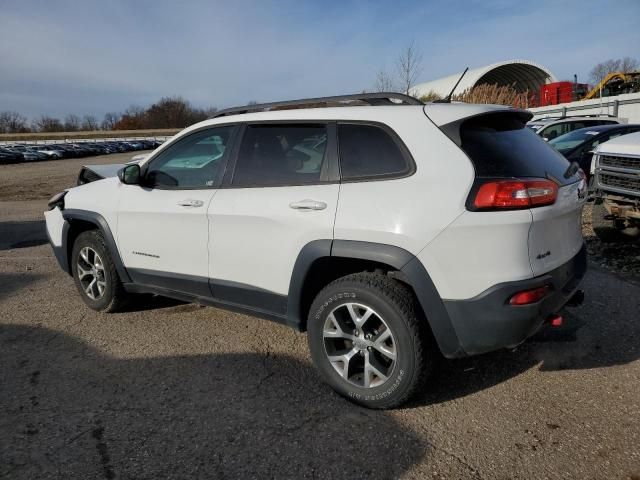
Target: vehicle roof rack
382	98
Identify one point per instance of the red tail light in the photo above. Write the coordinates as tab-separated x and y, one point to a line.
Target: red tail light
527	297
514	194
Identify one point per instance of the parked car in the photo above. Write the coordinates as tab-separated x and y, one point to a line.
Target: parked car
433	229
51	153
9	156
550	128
27	154
578	145
616	171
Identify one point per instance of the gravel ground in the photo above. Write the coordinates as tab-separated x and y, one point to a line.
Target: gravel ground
622	258
170	390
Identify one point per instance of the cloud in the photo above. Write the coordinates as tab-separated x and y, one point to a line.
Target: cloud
94	57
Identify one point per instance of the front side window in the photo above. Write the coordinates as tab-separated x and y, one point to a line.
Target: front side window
273	155
196	161
369	152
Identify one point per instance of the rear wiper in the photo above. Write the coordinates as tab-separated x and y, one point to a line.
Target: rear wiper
572	170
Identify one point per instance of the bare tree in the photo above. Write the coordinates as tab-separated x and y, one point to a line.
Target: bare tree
110	120
48	124
628	64
12	122
601	70
384	83
71	123
89	123
409	66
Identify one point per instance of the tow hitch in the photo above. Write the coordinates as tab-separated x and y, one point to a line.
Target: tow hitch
577	299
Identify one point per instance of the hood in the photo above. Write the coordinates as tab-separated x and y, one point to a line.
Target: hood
623	145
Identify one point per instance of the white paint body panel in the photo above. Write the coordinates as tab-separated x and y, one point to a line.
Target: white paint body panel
100	197
255	236
55	223
479	250
156	233
409	212
556	231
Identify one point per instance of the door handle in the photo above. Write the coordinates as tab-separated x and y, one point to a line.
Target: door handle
191	203
308	205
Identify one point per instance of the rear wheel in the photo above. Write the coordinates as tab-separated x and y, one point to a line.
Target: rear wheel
368	340
95	274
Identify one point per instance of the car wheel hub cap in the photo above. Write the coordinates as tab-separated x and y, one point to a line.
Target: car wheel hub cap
359	345
91	273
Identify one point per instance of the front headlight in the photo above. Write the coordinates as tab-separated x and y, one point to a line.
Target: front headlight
592	168
57	200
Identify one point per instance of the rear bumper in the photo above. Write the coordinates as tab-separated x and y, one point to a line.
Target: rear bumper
487	322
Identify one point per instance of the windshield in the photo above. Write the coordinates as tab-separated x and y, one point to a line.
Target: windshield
570	140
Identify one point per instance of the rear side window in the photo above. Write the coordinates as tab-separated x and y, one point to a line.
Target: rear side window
369	152
273	155
500	146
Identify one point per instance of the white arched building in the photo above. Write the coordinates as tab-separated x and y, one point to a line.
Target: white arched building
525	75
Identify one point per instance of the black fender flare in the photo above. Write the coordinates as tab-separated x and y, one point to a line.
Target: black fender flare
98	220
412	272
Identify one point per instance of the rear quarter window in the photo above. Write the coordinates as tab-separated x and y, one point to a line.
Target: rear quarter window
370	152
500	146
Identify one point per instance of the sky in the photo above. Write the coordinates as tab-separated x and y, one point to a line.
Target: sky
91	57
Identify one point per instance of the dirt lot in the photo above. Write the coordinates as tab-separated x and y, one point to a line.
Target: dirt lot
169	390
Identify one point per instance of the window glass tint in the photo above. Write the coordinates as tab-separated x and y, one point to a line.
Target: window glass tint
500	146
281	155
554	131
196	161
368	151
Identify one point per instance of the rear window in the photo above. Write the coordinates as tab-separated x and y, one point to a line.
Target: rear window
500	146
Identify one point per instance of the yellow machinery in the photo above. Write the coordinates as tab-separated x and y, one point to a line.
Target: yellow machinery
616	83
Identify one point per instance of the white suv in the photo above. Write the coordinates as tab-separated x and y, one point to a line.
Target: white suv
391	231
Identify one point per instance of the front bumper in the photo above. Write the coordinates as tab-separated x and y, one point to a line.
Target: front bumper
57	228
488	322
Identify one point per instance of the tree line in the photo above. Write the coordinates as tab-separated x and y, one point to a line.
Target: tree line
168	112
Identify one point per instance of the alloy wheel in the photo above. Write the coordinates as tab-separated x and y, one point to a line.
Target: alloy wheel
359	345
91	273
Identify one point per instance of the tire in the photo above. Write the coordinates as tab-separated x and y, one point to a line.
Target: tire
387	305
609	231
88	251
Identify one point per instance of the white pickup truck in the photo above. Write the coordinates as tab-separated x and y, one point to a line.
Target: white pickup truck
615	169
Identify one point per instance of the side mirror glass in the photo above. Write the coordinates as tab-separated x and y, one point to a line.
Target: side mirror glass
130	174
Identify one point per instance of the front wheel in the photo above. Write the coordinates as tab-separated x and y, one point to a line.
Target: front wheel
95	274
369	341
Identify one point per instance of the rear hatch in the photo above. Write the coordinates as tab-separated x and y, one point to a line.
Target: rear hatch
502	147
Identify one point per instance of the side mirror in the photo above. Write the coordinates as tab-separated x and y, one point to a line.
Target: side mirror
130	174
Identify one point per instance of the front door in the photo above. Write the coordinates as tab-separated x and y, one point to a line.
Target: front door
163	229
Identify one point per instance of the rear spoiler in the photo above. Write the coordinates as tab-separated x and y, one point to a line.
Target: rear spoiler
452	129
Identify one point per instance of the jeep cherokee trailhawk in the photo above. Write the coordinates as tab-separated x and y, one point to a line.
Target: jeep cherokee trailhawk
393	232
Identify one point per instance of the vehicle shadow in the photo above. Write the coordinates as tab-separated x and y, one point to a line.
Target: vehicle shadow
11	283
71	412
22	234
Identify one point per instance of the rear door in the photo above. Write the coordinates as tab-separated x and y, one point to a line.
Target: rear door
280	194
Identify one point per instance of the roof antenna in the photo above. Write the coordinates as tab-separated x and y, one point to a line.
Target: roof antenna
447	99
